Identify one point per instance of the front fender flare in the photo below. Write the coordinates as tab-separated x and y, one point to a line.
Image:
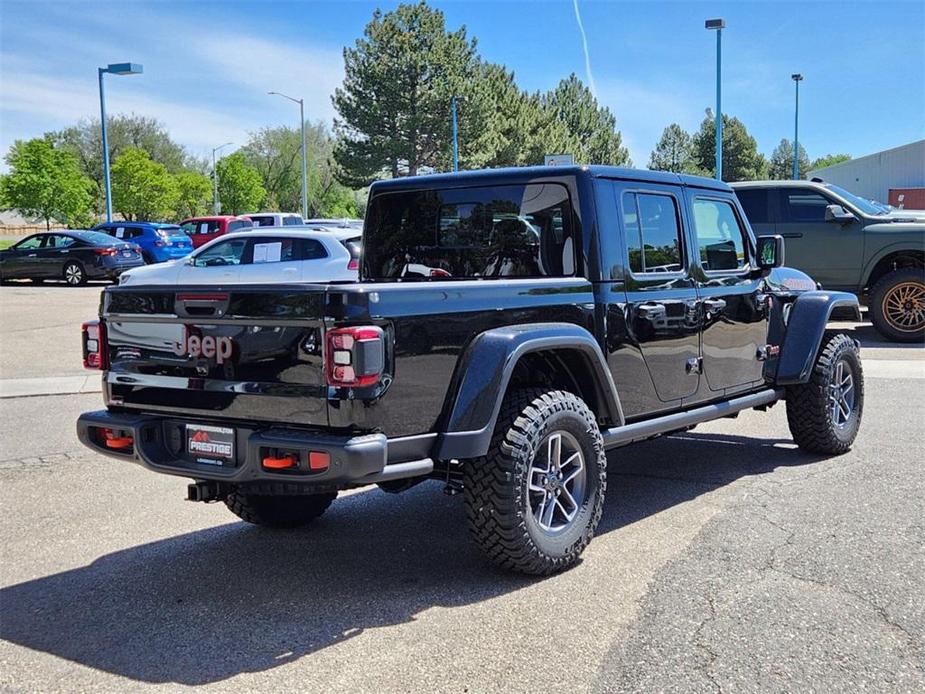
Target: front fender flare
805	327
484	371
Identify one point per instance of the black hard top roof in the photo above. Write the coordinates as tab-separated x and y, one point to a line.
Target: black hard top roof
521	173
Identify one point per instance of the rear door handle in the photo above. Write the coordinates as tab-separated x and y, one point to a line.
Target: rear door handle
650	311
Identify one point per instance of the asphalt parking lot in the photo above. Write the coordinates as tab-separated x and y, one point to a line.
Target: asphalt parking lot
726	560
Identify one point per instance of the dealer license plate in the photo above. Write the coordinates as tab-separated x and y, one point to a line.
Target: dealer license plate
210	445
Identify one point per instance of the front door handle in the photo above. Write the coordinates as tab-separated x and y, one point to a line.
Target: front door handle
651	311
31	255
714	305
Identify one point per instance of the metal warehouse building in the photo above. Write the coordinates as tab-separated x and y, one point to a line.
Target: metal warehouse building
874	176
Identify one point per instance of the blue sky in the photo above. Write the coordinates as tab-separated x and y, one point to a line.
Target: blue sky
208	66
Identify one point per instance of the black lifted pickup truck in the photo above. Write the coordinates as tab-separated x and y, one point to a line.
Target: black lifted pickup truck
509	327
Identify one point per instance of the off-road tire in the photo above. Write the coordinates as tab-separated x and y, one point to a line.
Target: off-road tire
68	274
496	485
278	511
809	410
878	297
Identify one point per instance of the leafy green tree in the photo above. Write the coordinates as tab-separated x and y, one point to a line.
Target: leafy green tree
276	153
239	186
84	140
741	160
394	104
141	188
674	152
45	182
781	164
593	125
194	194
829	160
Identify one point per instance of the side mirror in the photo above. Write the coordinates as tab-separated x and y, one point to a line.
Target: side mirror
837	213
770	252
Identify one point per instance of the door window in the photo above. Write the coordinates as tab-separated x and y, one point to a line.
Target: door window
29	244
653	234
239	224
225	253
58	241
803	206
720	238
270	250
755	203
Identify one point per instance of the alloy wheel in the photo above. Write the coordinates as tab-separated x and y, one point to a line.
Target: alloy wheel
73	274
841	394
904	306
557	482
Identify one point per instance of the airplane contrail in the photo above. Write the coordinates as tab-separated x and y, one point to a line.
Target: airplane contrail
584	42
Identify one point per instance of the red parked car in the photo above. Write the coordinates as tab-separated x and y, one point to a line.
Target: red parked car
203	229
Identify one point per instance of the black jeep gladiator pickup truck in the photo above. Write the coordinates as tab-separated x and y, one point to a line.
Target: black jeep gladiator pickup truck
509	327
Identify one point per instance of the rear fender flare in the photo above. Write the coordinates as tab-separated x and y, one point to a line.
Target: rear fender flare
484	372
805	327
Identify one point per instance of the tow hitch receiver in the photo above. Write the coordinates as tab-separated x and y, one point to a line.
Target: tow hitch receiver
204	491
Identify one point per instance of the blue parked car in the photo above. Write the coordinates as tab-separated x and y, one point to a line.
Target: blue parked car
158	242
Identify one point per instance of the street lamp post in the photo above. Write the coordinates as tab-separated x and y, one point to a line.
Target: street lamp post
718	25
301	103
113	69
797	78
215	206
455	128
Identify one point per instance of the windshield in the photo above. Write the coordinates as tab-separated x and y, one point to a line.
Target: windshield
870	207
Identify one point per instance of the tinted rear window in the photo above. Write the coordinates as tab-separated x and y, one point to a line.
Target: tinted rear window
755	203
95	237
497	231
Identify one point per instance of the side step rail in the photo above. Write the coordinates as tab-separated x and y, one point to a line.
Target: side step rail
637	431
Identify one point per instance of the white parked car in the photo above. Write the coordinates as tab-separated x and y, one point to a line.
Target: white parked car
255	257
274	219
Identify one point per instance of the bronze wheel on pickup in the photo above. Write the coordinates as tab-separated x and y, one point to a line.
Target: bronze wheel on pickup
535	500
897	305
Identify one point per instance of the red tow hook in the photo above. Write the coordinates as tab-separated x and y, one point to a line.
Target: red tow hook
117	442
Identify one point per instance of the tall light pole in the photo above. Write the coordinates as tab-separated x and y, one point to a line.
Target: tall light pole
215	206
113	69
455	128
718	25
797	78
301	103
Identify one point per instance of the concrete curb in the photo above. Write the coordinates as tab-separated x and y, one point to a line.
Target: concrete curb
51	385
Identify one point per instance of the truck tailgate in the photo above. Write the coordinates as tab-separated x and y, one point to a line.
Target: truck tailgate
250	353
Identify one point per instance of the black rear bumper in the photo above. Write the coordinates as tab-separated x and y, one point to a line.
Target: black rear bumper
159	444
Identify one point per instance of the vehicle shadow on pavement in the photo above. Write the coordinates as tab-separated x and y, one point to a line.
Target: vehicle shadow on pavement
202	607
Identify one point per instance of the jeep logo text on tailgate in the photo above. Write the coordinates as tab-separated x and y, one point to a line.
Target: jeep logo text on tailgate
207	346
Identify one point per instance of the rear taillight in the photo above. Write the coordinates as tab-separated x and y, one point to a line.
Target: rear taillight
105	251
439	272
94	344
354	357
354	264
